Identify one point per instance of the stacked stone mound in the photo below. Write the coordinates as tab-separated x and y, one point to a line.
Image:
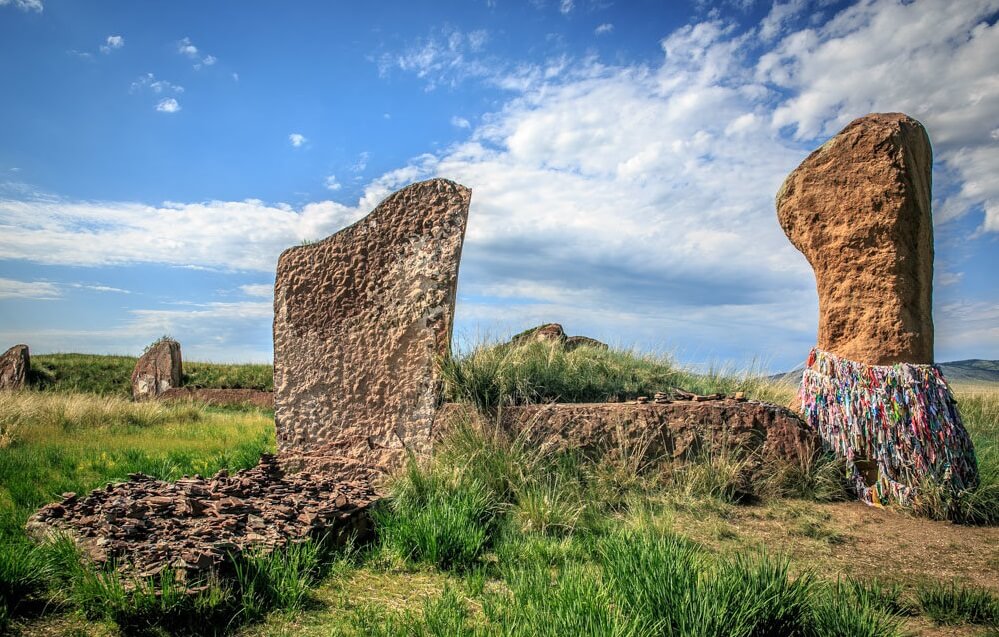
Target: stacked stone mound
221	397
858	209
757	433
554	333
360	320
195	524
14	367
158	369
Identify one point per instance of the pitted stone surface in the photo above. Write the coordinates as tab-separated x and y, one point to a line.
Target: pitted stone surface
157	370
858	208
670	430
14	366
359	320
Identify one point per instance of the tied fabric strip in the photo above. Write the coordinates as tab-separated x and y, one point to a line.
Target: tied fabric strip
897	426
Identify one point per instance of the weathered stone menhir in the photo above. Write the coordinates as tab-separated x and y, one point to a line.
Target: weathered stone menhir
858	208
157	370
14	367
359	321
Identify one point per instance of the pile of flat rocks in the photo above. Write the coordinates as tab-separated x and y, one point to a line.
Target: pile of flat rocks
194	524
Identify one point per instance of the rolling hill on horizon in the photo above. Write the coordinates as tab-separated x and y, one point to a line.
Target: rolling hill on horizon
969	370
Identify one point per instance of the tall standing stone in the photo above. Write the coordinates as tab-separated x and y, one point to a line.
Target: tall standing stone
360	320
858	208
158	369
14	366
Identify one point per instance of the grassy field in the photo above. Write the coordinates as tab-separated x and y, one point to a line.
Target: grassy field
112	375
493	537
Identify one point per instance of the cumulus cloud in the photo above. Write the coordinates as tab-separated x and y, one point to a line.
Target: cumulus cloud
460	122
32	290
265	290
331	183
186	47
240	235
111	43
168	105
565	7
297	139
604	28
24	5
149	81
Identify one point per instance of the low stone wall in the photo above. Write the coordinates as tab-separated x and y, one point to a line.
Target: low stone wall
256	397
677	430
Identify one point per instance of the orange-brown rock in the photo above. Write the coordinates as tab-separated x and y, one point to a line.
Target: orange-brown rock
14	366
157	370
678	431
858	208
359	321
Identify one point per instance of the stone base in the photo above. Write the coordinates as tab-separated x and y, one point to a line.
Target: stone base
675	431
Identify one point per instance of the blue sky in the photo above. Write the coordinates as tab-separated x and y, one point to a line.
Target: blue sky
623	156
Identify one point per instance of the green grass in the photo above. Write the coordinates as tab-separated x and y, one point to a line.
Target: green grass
112	375
491	375
489	536
953	604
78	442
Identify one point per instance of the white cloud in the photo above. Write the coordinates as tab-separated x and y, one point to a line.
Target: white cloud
604	28
235	77
100	288
460	122
168	105
29	290
112	42
24	5
331	183
565	7
225	235
186	47
265	290
361	163
297	139
209	60
149	81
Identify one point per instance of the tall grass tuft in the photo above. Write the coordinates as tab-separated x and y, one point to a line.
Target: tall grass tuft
839	611
445	518
281	578
953	604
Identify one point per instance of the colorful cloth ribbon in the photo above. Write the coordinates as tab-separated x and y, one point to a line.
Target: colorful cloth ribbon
897	426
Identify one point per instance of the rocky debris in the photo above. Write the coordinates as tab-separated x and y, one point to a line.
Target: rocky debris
858	208
759	432
255	397
14	367
554	333
359	321
194	524
157	370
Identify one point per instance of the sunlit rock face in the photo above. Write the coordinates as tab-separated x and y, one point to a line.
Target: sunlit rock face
858	208
360	320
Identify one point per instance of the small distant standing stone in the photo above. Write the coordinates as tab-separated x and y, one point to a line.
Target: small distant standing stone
157	370
14	366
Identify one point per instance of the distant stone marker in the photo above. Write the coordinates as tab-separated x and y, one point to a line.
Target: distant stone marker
157	370
554	333
359	321
858	208
14	366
